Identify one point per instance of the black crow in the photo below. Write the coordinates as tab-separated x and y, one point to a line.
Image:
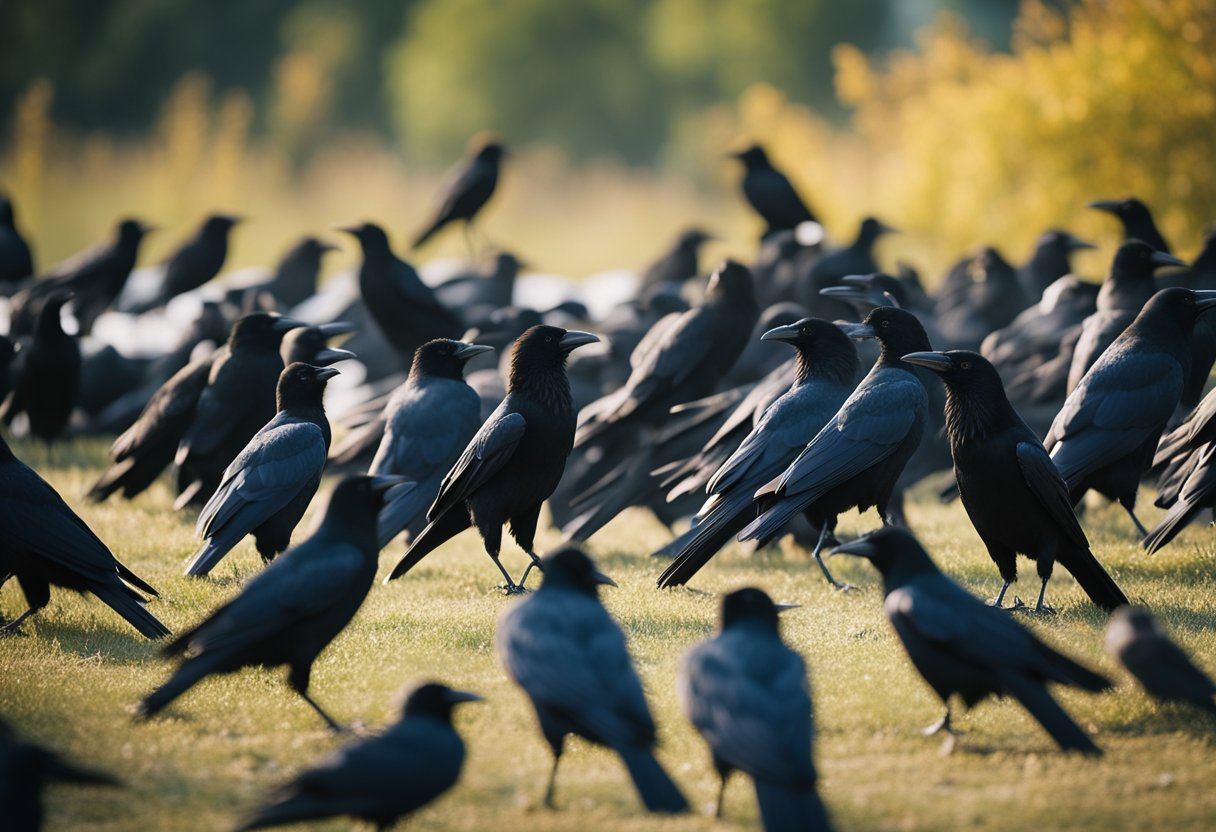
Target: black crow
25	768
195	262
826	370
516	459
770	193
857	457
294	608
293	282
16	261
429	421
747	694
1106	433
310	344
676	266
46	374
1138	642
1012	492
563	648
382	778
981	294
44	543
855	258
1051	260
1136	219
962	646
467	189
479	295
267	488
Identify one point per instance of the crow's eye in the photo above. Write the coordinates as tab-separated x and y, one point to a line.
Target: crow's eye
806	330
548	339
886	324
966	365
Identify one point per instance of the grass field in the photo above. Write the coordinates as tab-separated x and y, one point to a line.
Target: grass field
72	680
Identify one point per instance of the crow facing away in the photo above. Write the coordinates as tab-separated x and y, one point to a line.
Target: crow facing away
563	648
382	778
962	646
747	694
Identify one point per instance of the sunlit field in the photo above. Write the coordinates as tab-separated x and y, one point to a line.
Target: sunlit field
74	676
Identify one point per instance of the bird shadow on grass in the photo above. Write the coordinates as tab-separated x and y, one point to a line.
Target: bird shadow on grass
1166	718
94	640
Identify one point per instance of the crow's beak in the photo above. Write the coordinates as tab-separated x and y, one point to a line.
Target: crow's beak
457	696
860	547
331	355
883	228
851	294
286	324
326	373
1160	258
600	578
323	246
938	362
466	350
1205	299
788	334
786	607
352	230
575	339
335	328
1077	244
148	228
1110	205
858	332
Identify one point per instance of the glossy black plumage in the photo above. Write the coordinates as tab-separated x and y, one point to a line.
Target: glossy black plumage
468	188
748	695
43	543
1136	219
381	778
962	646
515	460
770	193
195	262
564	649
267	488
288	613
1012	492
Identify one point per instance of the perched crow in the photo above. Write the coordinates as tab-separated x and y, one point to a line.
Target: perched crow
46	377
770	194
238	400
382	778
467	189
1012	492
16	261
44	543
826	370
1105	435
1136	219
95	278
857	457
198	260
310	344
962	646
266	489
748	696
404	308
1051	260
293	282
515	460
563	648
294	608
24	769
428	423
1137	641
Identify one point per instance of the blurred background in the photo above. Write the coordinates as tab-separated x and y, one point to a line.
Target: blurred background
957	121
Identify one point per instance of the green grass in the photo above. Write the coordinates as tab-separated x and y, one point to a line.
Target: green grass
72	680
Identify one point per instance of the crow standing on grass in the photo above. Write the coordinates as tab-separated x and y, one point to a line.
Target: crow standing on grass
382	778
44	543
857	457
46	374
516	459
293	609
1012	492
429	421
962	646
468	188
747	694
1106	433
827	366
1138	642
267	489
563	648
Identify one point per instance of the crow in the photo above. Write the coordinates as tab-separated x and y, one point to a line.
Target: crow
310	344
676	266
382	778
267	488
981	294
467	189
1196	492
857	457
295	607
827	367
46	374
1105	435
44	543
747	694
195	262
406	310
515	460
428	422
1051	260
1138	642
16	260
1136	219
563	648
293	282
962	646
770	193
1012	492
24	769
478	295
855	258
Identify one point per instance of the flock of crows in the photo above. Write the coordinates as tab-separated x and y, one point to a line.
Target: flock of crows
767	401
